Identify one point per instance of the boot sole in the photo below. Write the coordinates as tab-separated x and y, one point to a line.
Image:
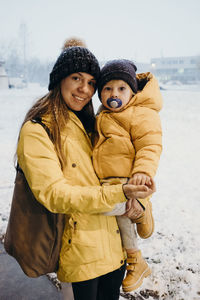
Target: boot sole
136	285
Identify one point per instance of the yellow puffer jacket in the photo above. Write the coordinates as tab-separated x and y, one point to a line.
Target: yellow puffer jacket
130	140
91	243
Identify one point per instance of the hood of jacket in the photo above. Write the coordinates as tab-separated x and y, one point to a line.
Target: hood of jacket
149	94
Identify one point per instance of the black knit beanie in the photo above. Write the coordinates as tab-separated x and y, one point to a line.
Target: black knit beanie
73	60
121	69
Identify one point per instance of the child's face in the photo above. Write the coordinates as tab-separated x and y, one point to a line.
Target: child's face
116	89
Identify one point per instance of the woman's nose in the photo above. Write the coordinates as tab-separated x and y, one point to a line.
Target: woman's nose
83	87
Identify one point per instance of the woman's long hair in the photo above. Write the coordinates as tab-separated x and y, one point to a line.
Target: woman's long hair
54	106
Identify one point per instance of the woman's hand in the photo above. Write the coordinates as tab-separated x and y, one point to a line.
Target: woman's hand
138	191
133	208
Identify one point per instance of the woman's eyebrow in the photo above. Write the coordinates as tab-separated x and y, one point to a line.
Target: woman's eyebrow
82	76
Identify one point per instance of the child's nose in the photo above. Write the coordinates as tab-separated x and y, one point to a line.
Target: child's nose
114	94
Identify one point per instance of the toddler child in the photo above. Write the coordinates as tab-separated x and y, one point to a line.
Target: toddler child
127	145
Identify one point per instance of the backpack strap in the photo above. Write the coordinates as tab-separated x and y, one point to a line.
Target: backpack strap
39	121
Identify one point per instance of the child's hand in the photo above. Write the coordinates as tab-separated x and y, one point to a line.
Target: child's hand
151	186
133	209
140	179
128	204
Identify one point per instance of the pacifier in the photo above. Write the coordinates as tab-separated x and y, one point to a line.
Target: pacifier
114	102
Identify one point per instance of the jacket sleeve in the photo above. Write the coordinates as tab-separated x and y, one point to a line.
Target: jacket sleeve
40	164
146	134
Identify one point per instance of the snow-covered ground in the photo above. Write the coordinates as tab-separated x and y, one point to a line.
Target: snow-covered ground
173	252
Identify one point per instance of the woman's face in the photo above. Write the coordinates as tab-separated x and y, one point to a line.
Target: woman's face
77	90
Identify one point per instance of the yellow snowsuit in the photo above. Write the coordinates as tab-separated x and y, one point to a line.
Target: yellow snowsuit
130	140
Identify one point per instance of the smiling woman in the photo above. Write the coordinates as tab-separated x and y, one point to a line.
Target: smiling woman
60	173
77	90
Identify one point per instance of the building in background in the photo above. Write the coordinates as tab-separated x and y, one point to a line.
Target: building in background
3	77
142	67
177	69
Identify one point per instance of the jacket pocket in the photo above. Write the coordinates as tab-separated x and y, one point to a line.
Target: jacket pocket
80	247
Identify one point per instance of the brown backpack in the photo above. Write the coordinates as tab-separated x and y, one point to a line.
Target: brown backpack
34	234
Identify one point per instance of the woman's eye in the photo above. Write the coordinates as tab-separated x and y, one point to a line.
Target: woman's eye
76	78
92	83
122	88
107	88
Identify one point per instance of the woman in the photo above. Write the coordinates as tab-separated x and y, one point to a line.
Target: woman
62	178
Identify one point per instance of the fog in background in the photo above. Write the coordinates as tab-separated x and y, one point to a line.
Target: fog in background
31	37
138	30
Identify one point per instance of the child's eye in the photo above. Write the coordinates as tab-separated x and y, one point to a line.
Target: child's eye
107	88
122	88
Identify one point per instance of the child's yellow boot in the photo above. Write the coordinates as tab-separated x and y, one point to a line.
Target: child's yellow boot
145	224
137	270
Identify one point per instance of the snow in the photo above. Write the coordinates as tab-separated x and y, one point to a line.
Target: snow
173	252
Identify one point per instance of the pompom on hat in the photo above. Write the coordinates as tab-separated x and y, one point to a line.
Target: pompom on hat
121	69
73	59
74	41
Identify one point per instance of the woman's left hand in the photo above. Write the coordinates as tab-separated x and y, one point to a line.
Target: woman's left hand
138	191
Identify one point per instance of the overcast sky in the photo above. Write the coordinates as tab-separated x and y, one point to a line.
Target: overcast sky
137	30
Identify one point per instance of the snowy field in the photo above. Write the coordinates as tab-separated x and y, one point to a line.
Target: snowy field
173	252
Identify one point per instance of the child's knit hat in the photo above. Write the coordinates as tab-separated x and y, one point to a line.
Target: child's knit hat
72	60
121	69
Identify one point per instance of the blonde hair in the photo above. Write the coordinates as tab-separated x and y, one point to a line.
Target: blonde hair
54	107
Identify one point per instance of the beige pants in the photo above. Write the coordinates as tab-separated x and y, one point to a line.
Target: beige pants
67	292
126	227
128	232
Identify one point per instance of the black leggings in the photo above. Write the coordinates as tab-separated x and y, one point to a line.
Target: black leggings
105	287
